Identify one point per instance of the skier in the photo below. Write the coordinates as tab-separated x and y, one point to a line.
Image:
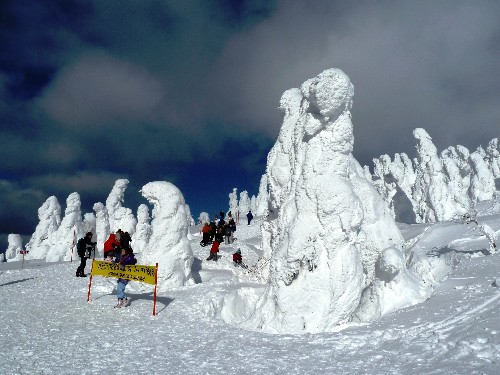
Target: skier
126	259
84	247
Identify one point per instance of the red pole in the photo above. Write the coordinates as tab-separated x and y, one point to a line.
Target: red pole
156	282
90	280
73	244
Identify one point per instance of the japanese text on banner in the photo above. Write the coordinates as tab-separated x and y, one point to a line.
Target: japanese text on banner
145	274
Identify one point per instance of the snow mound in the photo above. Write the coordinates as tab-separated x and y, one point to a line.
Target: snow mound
394	287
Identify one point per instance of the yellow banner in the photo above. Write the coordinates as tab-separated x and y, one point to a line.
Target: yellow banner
144	274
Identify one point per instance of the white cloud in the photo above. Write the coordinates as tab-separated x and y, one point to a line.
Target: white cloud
99	88
82	182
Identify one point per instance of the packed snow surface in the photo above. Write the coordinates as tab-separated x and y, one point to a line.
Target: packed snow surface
49	328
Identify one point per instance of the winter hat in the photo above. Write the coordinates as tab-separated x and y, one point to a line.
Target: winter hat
238	251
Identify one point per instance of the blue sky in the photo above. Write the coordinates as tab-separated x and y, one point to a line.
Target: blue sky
187	91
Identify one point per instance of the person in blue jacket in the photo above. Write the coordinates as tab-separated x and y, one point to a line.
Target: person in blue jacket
127	258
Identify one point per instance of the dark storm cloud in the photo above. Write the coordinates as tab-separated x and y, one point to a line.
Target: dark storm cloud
187	90
23	217
93	91
413	64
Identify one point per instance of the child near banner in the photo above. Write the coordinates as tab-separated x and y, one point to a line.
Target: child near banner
127	259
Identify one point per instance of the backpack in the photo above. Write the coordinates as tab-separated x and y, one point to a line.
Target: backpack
81	247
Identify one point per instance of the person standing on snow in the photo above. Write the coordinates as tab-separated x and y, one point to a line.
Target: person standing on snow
84	247
213	230
249	217
206	235
127	259
214	250
227	233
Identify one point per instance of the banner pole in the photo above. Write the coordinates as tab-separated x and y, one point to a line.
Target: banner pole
156	283
90	280
73	244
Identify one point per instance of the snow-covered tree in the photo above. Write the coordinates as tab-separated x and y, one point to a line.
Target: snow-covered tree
102	227
493	157
384	182
15	245
436	201
203	218
438	188
244	203
328	224
89	224
168	245
262	202
253	203
63	241
190	219
456	186
49	216
142	234
233	203
482	184
120	217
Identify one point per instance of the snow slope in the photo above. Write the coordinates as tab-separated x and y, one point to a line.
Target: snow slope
49	328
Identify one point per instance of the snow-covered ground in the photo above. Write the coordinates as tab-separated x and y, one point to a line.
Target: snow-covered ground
49	328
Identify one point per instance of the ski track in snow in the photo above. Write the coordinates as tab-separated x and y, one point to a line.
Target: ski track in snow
49	328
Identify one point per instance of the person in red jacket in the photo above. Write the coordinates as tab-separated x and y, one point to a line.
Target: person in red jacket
111	246
214	250
206	235
237	259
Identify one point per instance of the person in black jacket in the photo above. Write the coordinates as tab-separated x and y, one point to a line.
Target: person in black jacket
84	248
125	240
249	217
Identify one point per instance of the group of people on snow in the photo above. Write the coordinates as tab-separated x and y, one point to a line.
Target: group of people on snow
221	229
218	229
117	249
116	242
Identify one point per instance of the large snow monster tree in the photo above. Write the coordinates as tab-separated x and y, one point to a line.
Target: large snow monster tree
327	224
